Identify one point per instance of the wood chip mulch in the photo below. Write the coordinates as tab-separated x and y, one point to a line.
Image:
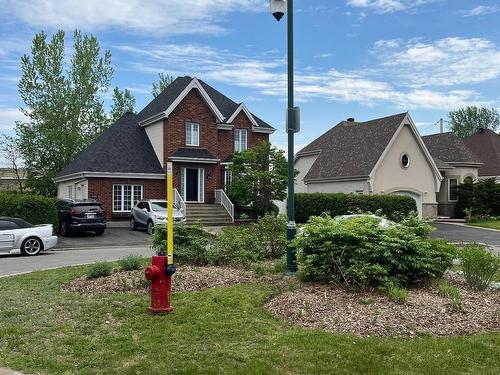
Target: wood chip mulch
187	278
334	309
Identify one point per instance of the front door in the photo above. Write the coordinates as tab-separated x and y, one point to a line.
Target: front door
191	185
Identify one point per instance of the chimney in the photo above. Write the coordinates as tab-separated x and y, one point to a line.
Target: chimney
350	119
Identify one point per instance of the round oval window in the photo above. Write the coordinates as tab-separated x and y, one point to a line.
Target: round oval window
405	161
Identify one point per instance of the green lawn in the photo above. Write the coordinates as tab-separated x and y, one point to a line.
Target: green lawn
225	330
493	224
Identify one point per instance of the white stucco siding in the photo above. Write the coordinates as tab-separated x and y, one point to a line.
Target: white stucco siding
303	164
155	135
357	187
418	178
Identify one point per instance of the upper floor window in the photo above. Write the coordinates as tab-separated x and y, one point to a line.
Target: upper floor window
240	140
192	134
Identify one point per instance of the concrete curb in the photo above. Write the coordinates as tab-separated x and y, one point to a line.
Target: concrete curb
470	226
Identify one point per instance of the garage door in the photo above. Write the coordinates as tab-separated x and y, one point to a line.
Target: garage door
417	197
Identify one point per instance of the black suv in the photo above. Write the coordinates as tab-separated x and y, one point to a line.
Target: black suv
81	215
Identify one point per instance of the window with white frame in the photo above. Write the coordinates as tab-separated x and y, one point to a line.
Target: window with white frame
70	191
126	196
453	189
192	134
228	177
240	140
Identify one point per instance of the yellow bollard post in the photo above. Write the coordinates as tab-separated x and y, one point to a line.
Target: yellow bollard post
170	214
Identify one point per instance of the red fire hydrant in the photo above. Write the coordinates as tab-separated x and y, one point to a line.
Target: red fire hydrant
160	274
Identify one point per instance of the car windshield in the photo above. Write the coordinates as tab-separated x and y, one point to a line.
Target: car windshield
159	206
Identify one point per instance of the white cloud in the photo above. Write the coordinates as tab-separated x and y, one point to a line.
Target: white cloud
445	62
388	6
481	10
265	75
9	116
162	17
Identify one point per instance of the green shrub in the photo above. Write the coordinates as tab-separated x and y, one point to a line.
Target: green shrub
131	263
452	292
190	243
396	293
478	199
279	265
239	245
479	266
35	209
272	232
359	251
394	207
99	269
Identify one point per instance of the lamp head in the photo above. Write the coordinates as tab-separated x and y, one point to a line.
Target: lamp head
278	8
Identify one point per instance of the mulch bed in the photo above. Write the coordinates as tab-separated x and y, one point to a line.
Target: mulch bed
334	309
187	278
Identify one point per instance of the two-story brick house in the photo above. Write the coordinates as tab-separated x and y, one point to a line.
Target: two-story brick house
190	124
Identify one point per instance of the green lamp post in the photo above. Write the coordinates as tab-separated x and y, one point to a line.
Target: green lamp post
278	9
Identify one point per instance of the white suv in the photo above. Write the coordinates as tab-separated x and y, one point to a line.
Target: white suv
148	213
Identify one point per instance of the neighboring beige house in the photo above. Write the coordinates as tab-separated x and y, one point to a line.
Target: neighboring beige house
381	156
9	180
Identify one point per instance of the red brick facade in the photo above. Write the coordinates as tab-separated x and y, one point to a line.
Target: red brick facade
220	143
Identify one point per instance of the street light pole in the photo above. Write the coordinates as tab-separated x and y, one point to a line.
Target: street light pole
291	261
292	126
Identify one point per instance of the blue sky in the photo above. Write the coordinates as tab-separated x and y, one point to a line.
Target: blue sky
354	58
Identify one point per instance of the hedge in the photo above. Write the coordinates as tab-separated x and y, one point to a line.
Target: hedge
315	204
35	209
481	199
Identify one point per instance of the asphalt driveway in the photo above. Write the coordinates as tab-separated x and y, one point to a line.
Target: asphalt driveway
112	237
463	233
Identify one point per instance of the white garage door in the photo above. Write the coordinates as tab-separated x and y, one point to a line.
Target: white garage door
417	197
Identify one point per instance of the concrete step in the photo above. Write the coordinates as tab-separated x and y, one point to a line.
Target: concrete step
207	214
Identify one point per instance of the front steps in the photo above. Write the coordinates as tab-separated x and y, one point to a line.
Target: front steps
207	214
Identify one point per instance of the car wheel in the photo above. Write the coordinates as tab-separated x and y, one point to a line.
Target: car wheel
31	246
150	227
133	224
63	229
99	232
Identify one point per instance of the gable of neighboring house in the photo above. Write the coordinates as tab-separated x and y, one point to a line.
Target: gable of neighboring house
485	143
365	158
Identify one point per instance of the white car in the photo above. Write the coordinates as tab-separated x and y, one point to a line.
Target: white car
17	235
148	213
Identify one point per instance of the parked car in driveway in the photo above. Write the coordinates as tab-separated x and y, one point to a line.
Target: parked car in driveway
148	213
80	216
17	235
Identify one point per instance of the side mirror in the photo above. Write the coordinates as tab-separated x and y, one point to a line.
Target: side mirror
145	209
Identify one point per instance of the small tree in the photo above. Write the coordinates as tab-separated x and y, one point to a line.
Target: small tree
259	177
9	147
123	101
164	80
465	121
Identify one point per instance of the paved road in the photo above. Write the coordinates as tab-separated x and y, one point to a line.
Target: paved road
15	264
111	237
462	233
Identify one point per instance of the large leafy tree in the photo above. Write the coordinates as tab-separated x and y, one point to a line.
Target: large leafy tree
64	110
465	121
259	177
123	101
164	80
11	152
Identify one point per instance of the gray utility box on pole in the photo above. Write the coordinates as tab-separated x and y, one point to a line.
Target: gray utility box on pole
293	120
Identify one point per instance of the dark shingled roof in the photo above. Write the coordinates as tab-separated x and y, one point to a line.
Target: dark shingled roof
192	152
123	148
225	105
486	145
448	148
351	148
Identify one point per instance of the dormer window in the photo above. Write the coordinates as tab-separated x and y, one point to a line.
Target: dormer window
240	140
192	134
